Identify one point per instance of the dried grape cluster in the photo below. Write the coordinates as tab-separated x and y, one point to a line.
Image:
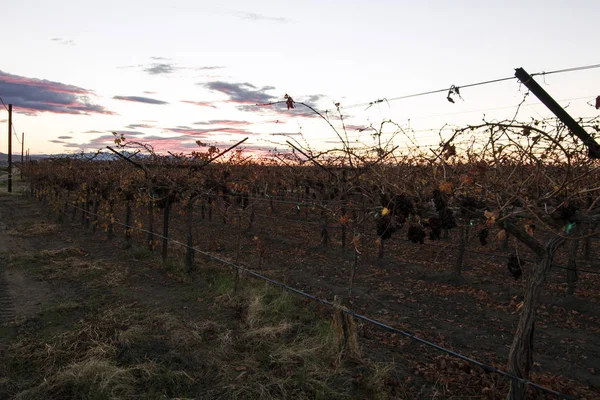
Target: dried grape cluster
416	234
483	236
514	266
444	219
398	207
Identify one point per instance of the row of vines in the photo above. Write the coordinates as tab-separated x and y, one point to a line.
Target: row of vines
529	187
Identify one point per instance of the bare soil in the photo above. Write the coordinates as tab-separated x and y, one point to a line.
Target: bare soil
59	279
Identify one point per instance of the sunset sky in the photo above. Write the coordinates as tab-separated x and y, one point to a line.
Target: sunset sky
173	72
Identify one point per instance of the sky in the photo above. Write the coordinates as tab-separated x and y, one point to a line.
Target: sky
171	73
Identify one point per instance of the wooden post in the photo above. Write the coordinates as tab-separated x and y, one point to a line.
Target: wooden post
237	251
9	148
189	251
345	330
165	245
461	248
150	236
128	230
544	97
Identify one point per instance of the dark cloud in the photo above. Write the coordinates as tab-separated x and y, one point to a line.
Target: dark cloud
160	68
149	92
139	99
32	96
65	137
3	120
138	126
200	103
258	17
92	132
56	141
241	93
67	42
159	58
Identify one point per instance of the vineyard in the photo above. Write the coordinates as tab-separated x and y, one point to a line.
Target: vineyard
486	245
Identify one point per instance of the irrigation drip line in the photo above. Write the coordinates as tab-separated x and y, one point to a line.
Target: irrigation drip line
487	368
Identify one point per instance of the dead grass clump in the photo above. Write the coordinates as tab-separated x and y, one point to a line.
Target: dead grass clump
130	336
37	229
89	379
64	252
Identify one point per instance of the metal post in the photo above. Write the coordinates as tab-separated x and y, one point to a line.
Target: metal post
544	97
9	148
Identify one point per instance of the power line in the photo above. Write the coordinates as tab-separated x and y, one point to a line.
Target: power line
3	103
14	130
486	367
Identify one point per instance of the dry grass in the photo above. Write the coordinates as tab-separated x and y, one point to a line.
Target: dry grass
259	344
41	228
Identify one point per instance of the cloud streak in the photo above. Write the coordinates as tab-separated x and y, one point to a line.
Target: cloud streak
249	16
208	131
32	96
138	126
66	42
140	99
200	103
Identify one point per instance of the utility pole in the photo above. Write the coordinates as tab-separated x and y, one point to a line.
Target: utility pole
574	127
22	149
9	148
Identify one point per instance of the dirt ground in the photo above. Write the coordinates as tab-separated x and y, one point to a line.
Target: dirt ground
81	314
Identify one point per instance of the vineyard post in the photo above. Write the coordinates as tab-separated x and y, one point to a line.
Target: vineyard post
548	101
111	208
9	148
65	200
343	233
83	209
345	330
22	148
324	232
461	247
74	212
588	241
237	251
88	217
356	243
128	230
572	267
150	236
189	252
165	246
95	207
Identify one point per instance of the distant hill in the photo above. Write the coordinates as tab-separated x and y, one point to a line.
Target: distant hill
17	157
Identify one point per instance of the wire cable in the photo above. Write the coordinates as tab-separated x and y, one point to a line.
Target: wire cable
448	89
